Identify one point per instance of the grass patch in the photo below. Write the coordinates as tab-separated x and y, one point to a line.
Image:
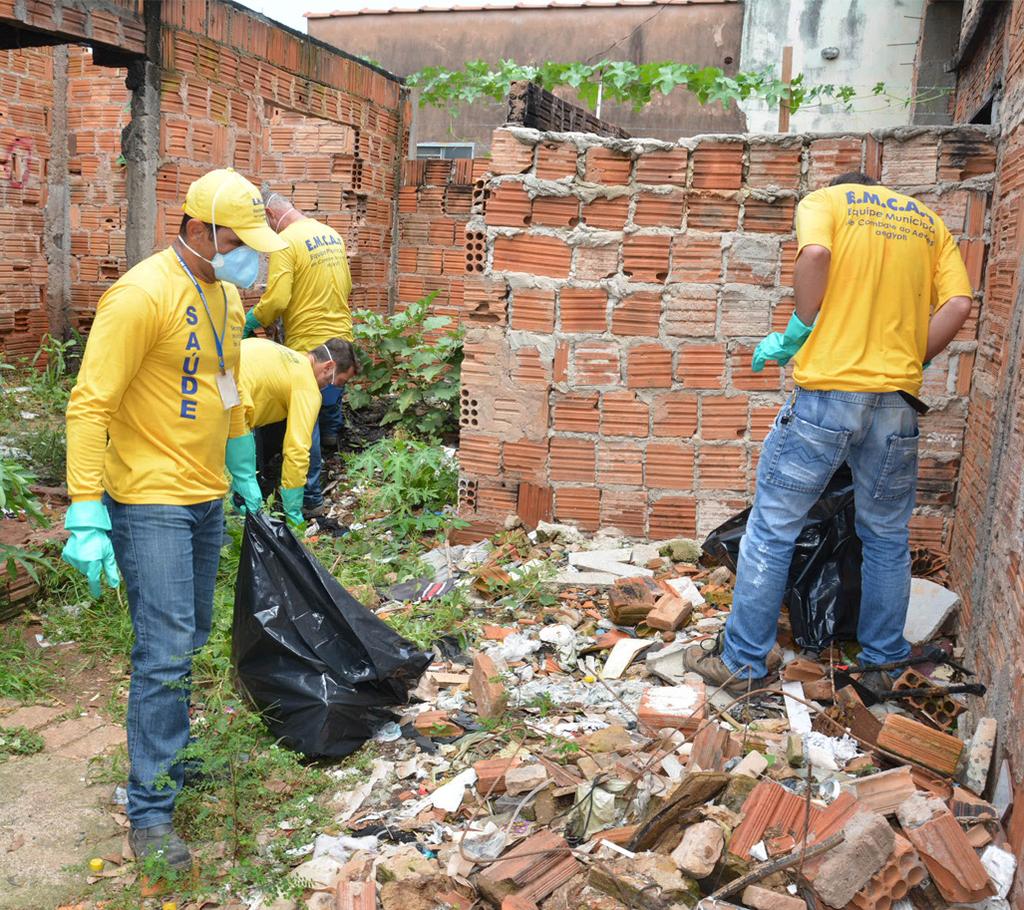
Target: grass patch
18	741
23	674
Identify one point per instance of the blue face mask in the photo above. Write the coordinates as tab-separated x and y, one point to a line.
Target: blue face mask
240	267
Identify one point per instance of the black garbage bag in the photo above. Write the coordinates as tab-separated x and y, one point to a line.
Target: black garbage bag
320	667
823	589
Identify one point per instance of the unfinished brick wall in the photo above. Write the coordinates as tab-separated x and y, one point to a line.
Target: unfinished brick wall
97	111
607	374
230	79
26	101
988	534
435	204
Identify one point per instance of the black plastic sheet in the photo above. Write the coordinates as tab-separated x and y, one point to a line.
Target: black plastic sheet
319	666
823	589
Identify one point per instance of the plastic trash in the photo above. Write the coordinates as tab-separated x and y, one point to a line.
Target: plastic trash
319	666
823	591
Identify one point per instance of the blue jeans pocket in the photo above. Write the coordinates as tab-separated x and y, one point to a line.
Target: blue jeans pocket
898	474
804	456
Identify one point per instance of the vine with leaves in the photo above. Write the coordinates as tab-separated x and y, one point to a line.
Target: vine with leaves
636	84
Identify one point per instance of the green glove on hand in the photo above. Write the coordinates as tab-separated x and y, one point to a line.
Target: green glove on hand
781	346
240	458
291	499
89	549
251	324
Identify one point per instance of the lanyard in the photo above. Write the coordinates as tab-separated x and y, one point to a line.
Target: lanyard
218	340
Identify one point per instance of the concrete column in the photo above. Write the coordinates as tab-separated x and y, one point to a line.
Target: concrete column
57	213
402	151
140	141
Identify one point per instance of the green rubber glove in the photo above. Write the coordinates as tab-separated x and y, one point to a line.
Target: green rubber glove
240	458
89	548
251	324
291	499
781	346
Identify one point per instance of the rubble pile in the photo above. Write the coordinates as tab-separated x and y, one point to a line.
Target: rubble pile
568	760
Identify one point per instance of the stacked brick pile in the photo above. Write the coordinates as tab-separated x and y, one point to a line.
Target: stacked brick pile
607	374
230	77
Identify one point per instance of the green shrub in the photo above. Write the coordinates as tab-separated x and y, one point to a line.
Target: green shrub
419	376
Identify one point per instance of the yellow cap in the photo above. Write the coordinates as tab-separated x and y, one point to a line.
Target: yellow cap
96	864
226	199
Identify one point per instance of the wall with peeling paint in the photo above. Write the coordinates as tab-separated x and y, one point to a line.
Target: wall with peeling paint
876	41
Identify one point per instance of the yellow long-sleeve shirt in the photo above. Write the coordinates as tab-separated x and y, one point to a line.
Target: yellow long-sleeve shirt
278	384
149	380
308	285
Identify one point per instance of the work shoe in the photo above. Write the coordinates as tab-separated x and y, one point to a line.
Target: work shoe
160	840
309	512
878	681
707	663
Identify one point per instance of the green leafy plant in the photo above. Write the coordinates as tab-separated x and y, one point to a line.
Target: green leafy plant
636	84
16	496
407	359
408	481
47	450
52	382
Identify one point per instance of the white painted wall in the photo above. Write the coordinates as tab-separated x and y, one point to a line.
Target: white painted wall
877	42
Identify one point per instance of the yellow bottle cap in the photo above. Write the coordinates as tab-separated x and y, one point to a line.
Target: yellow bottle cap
169	905
96	864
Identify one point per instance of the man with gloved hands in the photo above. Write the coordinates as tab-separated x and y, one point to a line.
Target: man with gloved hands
880	290
148	428
279	384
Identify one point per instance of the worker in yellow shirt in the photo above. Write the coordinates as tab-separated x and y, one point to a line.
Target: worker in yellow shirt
308	287
279	384
880	291
152	420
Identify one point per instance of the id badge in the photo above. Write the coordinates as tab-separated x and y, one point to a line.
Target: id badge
228	390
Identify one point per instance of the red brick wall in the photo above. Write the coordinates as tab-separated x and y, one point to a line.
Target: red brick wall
435	203
26	102
230	79
975	82
98	109
988	532
607	363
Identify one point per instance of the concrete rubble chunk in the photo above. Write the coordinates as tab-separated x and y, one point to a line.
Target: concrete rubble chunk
524	778
700	849
646	881
753	764
930	606
979	756
867	846
682	549
764	899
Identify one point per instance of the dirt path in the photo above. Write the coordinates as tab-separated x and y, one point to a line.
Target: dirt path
51	820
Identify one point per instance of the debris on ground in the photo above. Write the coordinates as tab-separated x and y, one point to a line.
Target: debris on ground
564	757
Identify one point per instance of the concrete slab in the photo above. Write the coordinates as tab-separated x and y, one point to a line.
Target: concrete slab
930	606
95	742
67	731
32	717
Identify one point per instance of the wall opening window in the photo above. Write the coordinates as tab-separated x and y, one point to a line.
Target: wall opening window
444	150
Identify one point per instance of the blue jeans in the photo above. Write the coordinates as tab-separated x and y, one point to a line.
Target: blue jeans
168	557
877	435
330	422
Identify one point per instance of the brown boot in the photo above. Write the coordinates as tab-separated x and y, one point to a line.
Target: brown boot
708	664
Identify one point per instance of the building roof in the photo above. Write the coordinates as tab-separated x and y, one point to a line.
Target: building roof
453	6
